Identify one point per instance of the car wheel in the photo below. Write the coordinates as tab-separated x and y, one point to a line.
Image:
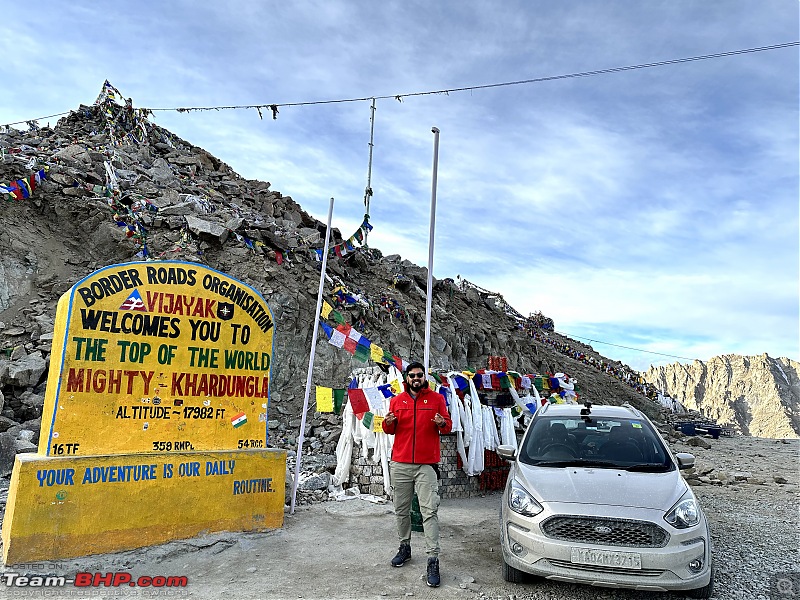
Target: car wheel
513	575
706	591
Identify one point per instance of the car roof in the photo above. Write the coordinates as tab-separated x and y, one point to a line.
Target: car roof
597	410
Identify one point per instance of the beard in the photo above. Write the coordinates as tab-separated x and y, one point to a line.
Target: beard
416	385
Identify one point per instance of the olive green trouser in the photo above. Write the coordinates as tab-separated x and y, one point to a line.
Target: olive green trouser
406	477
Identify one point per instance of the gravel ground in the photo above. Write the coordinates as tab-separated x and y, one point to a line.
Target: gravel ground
342	549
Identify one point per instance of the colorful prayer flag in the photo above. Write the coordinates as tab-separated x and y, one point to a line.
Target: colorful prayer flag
377	424
374	398
376	354
324	399
326	309
362	353
358	401
337	338
367	420
338	401
327	329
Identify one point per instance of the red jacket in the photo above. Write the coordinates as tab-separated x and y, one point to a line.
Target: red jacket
416	436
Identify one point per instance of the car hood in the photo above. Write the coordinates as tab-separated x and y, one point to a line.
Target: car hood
610	487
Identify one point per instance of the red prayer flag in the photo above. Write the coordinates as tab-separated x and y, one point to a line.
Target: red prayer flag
16	191
350	345
358	401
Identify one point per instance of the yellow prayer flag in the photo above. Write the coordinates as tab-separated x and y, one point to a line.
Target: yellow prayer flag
396	387
376	424
376	354
324	399
326	309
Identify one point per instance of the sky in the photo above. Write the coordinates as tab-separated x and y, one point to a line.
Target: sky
653	211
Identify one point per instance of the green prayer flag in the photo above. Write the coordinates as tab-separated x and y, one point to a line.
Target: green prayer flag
362	353
337	316
338	400
537	383
505	382
367	420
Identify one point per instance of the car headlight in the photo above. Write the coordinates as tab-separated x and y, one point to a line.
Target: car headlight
520	501
686	513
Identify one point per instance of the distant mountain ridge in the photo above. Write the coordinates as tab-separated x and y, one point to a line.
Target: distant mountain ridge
756	395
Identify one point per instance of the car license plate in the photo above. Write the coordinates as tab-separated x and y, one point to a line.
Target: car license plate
606	558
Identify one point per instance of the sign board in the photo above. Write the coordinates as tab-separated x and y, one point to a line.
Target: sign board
158	357
60	507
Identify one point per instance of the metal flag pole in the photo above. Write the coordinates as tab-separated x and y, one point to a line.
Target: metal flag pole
368	191
429	301
302	437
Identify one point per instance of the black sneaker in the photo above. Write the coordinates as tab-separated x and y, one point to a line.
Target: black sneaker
403	554
433	572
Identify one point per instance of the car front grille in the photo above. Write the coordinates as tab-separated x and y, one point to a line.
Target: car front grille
565	564
595	530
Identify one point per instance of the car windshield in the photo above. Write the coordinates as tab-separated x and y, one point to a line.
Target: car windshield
613	443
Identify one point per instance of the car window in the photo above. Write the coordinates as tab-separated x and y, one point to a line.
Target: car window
612	443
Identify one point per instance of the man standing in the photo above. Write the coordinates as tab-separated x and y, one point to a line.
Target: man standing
416	418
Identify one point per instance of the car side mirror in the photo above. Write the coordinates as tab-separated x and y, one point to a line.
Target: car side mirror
685	460
508	452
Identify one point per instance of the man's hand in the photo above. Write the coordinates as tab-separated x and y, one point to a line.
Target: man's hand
389	418
439	420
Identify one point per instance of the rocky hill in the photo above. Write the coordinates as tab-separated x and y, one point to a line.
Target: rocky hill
757	395
107	186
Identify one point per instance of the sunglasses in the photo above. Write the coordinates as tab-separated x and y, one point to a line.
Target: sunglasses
415	375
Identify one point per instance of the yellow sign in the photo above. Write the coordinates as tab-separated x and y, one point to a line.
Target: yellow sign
158	357
73	506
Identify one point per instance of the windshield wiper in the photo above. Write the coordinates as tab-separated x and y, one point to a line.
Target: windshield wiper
649	467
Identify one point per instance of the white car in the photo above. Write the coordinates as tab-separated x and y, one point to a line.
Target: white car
594	496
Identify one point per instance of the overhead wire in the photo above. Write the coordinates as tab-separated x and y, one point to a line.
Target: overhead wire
273	106
626	347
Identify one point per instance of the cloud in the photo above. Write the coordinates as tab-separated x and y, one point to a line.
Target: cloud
653	208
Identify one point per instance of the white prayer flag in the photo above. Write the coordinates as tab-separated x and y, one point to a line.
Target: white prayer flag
337	338
374	398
